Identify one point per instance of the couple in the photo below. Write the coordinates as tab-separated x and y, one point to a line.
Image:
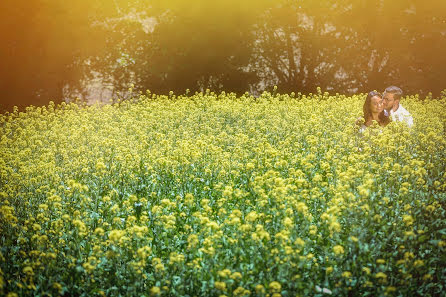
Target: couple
384	108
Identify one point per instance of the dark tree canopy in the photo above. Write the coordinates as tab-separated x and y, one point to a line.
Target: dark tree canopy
43	44
53	50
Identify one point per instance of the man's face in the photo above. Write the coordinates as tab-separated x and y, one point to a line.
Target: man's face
389	101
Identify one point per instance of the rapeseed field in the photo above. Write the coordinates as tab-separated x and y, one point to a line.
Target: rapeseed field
219	195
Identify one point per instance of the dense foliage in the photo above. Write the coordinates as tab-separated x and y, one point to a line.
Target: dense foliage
213	194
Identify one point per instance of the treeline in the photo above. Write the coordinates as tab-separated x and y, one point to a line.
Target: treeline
51	49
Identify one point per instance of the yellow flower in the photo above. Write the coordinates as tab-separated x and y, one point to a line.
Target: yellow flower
28	270
299	241
249	166
275	286
251	217
239	291
427	277
220	286
409	233
353	238
176	258
313	230
224	273
381	275
337	249
347	274
159	267
143	252
57	286
116	235
418	263
380	261
80	225
287	222
88	267
408	220
260	289
246	227
154	291
99	231
335	226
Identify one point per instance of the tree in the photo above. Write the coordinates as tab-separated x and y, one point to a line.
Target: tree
53	49
296	47
396	43
350	46
44	45
191	45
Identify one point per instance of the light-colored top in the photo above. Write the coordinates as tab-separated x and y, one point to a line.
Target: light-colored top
402	115
362	129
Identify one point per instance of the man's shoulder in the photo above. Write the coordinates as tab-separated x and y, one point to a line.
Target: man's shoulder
402	114
402	110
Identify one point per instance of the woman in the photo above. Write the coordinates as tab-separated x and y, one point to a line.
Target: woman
373	109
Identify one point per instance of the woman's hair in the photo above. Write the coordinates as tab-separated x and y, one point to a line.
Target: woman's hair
383	120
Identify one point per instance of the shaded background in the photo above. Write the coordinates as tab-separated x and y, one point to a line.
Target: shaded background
59	50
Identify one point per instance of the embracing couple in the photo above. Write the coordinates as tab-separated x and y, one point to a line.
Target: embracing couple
384	108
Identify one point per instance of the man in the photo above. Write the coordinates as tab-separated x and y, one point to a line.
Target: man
393	108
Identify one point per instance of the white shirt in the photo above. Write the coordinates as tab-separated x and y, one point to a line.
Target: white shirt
362	129
402	115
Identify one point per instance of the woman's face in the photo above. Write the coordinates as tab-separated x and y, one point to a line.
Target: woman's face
376	104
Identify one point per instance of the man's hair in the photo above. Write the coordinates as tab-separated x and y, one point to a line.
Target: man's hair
397	92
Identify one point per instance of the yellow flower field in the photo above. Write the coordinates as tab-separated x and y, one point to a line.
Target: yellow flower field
218	195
